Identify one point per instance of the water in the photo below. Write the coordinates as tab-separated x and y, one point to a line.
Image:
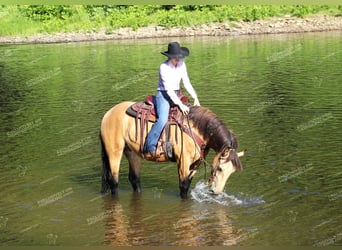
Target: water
280	94
201	194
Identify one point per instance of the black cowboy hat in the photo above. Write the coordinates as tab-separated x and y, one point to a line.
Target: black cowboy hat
174	50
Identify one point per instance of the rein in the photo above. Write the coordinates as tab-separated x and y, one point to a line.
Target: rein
197	139
199	142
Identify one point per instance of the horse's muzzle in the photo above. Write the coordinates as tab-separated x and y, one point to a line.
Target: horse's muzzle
211	185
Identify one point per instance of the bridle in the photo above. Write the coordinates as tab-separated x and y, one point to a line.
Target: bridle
217	166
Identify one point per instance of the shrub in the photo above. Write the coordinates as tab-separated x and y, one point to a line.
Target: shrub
46	12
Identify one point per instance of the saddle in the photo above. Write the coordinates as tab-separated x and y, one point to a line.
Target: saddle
144	112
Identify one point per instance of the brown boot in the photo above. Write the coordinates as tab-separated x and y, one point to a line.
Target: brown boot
150	156
155	156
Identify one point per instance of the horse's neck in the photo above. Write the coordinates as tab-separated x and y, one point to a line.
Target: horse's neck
215	142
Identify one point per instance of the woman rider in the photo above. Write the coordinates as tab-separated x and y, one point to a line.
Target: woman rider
171	72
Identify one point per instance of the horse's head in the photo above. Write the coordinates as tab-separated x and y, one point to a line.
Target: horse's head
224	164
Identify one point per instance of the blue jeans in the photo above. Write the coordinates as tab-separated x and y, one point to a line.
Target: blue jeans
162	105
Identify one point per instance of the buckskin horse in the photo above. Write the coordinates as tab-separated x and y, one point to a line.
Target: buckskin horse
191	139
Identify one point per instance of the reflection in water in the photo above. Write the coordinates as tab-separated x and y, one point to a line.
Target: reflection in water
186	223
116	224
210	225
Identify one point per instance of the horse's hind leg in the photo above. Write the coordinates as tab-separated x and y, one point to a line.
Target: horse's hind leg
114	161
134	168
111	157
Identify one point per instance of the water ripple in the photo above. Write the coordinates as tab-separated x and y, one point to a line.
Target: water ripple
200	193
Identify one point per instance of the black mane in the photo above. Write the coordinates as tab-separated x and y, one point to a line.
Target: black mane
212	129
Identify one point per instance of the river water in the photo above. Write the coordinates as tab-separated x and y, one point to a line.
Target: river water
280	94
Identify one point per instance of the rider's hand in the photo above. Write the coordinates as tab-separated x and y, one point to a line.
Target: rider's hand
196	102
185	109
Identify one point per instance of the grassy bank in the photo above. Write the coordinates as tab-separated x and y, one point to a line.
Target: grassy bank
25	20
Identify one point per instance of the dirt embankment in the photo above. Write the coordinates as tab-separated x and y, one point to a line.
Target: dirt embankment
268	26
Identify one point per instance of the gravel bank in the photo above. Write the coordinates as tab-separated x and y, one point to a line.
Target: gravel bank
268	26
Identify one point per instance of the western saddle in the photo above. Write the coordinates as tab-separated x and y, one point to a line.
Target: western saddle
144	112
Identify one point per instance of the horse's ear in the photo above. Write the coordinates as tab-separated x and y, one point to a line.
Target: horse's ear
242	153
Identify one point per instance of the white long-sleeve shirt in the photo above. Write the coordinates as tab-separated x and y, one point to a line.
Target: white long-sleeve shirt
170	77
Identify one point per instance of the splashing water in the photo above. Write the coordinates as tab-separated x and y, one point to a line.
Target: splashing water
201	193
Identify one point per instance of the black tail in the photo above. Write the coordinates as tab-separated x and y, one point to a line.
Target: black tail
106	173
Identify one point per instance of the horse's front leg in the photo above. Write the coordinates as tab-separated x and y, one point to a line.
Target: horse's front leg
184	178
184	185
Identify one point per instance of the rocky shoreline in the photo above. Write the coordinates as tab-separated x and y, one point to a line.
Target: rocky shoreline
285	24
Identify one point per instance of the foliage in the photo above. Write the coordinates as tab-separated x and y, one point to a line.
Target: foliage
31	19
46	12
301	10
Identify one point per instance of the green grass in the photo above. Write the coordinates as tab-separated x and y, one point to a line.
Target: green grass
25	20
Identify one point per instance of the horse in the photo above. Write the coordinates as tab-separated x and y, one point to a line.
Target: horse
118	136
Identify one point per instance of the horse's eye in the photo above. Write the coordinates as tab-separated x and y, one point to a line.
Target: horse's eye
223	159
219	169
